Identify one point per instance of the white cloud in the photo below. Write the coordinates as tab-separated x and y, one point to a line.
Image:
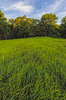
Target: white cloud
30	8
56	6
20	6
62	14
41	13
53	8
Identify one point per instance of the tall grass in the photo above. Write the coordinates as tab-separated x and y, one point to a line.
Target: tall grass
33	69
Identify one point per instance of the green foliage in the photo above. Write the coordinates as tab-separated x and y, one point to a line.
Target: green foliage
1	15
23	27
4	27
48	25
33	69
34	29
63	20
49	18
63	28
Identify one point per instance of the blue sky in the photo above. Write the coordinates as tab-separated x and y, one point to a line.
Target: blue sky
33	8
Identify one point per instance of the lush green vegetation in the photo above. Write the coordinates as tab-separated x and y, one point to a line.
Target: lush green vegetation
22	27
33	69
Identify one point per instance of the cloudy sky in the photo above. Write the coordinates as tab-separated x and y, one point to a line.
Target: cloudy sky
33	8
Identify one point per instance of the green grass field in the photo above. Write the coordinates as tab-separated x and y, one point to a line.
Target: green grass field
33	69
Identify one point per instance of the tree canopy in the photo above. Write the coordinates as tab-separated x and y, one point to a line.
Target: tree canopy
22	27
63	28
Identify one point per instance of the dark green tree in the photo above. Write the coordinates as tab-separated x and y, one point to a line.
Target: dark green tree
48	25
63	28
4	27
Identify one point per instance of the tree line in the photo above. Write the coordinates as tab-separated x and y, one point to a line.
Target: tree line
22	27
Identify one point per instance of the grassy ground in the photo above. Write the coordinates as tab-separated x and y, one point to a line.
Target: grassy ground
33	69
